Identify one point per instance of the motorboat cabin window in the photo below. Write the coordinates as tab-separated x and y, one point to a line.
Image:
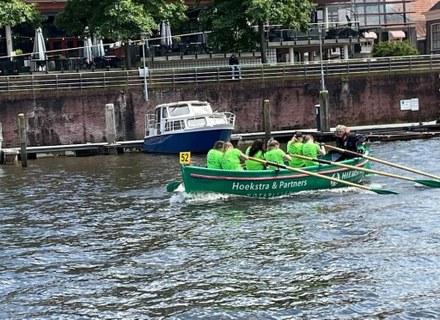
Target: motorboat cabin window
179	110
196	122
201	108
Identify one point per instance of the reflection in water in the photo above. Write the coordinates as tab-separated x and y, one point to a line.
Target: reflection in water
100	238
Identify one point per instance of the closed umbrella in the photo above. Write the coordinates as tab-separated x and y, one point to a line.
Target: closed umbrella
98	47
165	34
87	53
39	50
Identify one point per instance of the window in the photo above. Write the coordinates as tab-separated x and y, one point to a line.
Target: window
201	109
435	36
197	122
180	110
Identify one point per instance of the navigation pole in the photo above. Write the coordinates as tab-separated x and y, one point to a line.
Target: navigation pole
324	117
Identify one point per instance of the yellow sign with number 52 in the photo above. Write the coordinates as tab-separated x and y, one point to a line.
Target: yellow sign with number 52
185	157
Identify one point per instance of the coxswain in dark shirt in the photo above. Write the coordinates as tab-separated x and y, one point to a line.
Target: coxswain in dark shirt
349	141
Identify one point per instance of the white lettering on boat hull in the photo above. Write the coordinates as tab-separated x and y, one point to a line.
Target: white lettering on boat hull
257	186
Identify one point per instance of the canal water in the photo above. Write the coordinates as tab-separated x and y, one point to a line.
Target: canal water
100	238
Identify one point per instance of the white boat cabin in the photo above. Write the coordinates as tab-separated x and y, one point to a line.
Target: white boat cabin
185	116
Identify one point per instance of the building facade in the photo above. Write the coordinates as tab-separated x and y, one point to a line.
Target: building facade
349	28
433	29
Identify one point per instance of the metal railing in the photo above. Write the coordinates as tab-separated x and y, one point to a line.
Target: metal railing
198	75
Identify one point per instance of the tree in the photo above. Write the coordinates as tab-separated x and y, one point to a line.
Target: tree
233	22
119	20
14	12
394	48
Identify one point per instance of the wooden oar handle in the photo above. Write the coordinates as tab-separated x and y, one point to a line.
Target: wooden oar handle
343	165
313	174
385	162
311	159
344	150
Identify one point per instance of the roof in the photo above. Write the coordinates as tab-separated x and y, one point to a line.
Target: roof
421	6
181	103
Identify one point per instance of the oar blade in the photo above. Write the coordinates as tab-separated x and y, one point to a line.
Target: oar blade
173	186
383	191
428	183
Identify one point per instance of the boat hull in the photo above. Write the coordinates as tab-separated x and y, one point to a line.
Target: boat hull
267	183
194	141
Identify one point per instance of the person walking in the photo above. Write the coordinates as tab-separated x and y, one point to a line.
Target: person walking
311	150
256	150
234	64
294	147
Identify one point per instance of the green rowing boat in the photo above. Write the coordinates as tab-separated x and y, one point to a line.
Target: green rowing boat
273	183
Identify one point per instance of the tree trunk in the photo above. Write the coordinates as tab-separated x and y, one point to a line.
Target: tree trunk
127	56
8	34
262	42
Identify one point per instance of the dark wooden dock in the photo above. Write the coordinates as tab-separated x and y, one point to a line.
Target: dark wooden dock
78	150
384	132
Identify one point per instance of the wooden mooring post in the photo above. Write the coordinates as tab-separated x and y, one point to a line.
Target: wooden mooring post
324	116
110	128
1	140
23	138
266	121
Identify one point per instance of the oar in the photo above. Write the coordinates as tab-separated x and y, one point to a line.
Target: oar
428	183
173	186
314	174
383	161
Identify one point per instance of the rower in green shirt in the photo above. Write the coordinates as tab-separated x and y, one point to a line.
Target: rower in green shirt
311	150
232	157
295	146
215	155
256	150
275	154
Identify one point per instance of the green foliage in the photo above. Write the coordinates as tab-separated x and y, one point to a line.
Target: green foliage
235	23
118	19
14	12
394	48
230	31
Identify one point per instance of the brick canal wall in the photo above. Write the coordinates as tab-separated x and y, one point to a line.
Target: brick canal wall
66	117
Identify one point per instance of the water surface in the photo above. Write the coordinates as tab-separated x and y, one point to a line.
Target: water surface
100	238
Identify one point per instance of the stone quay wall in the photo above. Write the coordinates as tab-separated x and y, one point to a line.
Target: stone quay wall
78	116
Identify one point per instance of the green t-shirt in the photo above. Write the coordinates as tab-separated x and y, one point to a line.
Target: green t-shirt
310	150
254	165
231	160
295	148
275	155
213	159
